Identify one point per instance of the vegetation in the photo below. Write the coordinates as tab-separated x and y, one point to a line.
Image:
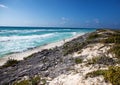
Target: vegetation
32	81
10	62
96	73
69	48
115	39
78	60
94	36
23	82
115	50
25	58
101	30
112	74
93	60
35	80
101	60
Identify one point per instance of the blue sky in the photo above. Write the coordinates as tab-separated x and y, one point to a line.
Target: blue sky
60	13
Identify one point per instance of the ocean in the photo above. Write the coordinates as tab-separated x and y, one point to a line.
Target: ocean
18	39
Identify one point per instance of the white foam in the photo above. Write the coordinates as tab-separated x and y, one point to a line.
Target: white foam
12	38
21	31
74	33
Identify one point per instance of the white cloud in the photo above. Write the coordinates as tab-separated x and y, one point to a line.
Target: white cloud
64	20
3	6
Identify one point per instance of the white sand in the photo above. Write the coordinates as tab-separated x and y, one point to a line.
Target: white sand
77	76
93	50
21	55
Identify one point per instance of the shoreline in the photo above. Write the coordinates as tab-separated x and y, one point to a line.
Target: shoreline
23	54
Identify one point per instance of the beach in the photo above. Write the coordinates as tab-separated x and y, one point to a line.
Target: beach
22	55
61	63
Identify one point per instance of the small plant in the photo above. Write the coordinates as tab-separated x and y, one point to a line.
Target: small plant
95	73
31	81
115	50
93	36
10	62
112	38
78	60
25	58
101	60
23	82
112	74
69	48
35	80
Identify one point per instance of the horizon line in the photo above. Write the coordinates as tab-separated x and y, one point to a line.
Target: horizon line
62	27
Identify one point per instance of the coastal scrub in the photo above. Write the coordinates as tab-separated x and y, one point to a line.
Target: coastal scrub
10	62
111	75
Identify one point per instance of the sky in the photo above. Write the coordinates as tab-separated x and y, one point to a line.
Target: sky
60	13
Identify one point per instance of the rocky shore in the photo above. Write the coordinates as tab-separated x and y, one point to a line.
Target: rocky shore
64	65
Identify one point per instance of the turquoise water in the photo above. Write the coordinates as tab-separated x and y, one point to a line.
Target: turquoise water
18	39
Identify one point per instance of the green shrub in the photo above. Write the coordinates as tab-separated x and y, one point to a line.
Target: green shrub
94	36
78	60
69	48
25	58
10	62
113	38
112	74
23	82
115	50
31	81
35	80
101	60
95	73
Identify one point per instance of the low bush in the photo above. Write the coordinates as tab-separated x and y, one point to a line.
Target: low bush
32	81
78	60
101	60
69	48
35	80
115	50
93	60
23	82
94	36
10	62
112	74
113	38
25	58
95	73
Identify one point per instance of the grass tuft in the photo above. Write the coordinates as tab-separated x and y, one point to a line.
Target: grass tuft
10	62
32	81
111	75
101	60
93	36
78	60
